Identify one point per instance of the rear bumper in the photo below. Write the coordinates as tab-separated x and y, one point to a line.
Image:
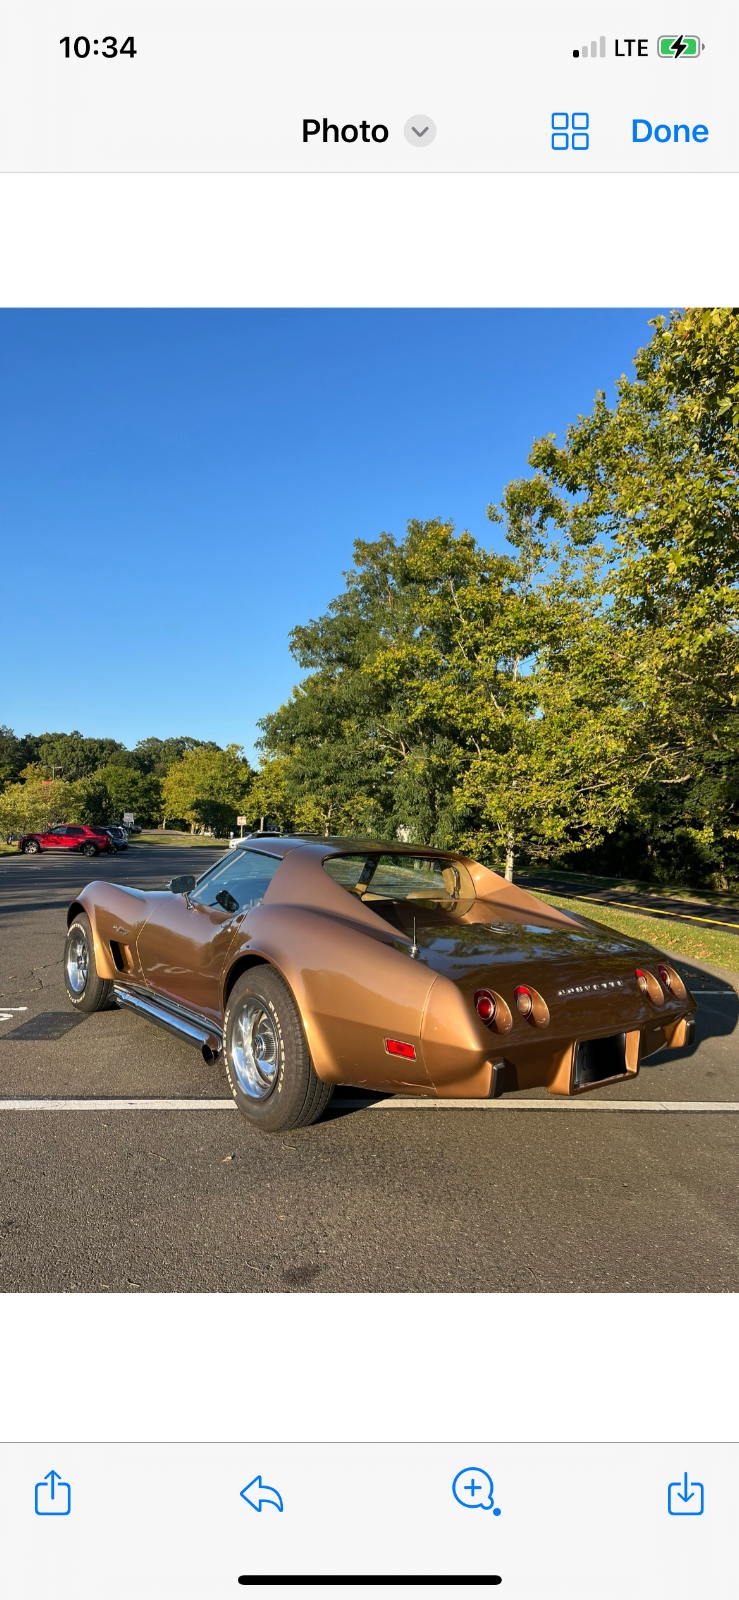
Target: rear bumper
552	1065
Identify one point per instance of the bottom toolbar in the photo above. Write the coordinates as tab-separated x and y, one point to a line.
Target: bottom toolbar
575	1520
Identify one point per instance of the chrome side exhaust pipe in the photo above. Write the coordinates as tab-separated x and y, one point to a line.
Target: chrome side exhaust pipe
205	1038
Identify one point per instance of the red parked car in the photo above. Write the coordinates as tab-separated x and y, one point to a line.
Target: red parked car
89	841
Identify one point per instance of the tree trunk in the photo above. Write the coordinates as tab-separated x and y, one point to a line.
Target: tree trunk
509	858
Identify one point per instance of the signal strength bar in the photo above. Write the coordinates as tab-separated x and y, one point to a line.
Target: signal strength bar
597	48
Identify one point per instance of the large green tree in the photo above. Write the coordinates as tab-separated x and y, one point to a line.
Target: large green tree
207	787
423	713
654	479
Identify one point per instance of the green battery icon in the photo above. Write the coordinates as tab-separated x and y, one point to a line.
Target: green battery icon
679	46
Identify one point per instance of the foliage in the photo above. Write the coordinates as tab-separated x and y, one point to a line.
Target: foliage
15	754
33	807
116	788
207	787
656	479
156	756
75	756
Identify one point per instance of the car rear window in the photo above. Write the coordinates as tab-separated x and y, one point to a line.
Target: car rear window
388	875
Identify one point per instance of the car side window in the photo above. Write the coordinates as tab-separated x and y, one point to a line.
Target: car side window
241	881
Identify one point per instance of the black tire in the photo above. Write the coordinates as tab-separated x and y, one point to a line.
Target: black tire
33	848
89	849
291	1095
86	991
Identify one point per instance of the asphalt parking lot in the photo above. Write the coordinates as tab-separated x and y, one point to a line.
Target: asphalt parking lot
376	1198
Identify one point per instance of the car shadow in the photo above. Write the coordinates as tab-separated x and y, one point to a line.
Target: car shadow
350	1101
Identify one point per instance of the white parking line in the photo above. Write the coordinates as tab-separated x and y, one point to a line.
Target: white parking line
401	1103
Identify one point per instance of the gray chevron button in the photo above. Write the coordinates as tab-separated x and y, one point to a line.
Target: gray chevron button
420	130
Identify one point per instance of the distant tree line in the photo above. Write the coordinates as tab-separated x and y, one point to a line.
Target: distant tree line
64	777
573	699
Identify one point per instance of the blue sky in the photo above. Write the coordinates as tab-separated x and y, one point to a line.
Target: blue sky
178	489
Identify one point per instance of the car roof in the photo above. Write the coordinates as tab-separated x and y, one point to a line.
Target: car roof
281	844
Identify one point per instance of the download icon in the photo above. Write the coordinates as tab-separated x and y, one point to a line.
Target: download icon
684	1500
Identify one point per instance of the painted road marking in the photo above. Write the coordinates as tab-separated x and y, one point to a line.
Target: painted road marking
651	911
401	1103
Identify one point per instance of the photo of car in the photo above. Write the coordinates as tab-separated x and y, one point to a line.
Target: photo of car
88	841
308	962
117	835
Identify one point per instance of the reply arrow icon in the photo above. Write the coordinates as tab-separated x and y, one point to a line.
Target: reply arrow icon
258	1494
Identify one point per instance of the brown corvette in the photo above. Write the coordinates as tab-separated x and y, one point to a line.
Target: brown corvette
310	962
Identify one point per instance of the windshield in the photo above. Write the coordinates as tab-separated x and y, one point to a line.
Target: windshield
394	876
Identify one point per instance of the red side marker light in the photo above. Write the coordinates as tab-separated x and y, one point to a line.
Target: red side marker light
396	1047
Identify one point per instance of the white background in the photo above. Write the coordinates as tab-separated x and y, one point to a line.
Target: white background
373	1367
287	240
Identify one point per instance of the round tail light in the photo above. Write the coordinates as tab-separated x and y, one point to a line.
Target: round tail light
649	986
672	981
485	1006
524	1000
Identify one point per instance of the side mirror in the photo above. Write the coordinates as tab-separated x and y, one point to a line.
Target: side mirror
183	885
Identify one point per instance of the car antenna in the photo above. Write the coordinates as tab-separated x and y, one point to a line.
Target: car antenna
414	951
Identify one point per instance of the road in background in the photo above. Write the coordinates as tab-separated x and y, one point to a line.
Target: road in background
684	908
195	1200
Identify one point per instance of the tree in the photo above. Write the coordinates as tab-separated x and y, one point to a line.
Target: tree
655	479
158	755
34	807
116	788
452	698
15	754
72	754
207	784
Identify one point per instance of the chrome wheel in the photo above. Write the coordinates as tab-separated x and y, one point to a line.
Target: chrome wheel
255	1050
77	962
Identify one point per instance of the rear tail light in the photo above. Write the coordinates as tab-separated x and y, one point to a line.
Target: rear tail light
649	986
524	1000
672	981
531	1006
491	1008
398	1047
485	1006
